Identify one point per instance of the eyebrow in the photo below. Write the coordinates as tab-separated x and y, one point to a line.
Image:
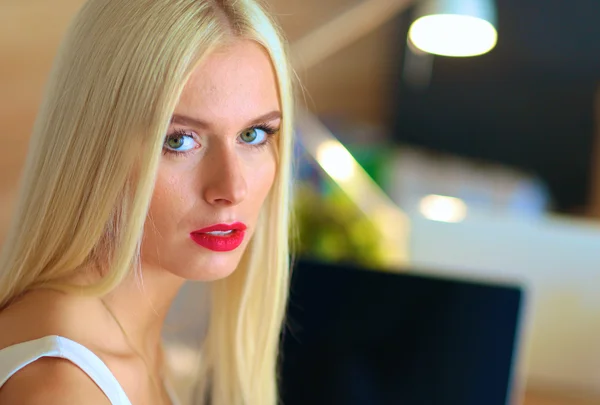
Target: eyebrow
198	123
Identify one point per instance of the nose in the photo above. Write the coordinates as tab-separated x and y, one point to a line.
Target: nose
223	176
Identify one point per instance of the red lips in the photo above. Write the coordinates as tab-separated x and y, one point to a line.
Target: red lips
220	237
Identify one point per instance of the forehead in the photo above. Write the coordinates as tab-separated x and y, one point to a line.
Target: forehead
234	80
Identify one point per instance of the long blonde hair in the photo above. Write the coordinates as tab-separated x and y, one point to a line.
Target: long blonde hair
92	164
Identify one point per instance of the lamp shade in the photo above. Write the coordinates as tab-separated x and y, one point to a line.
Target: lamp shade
454	27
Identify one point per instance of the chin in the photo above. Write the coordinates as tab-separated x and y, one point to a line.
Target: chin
207	276
209	266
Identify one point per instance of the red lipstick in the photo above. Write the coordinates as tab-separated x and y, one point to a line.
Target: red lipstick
220	237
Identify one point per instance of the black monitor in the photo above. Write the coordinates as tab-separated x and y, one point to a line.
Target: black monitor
360	337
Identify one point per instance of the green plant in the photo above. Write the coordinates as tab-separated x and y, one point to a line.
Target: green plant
331	228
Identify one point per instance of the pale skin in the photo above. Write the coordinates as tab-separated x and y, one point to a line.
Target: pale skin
224	172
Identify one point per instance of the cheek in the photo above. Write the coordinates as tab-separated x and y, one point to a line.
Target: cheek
262	178
170	199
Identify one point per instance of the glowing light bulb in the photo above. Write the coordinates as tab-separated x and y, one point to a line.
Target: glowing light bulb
442	208
453	35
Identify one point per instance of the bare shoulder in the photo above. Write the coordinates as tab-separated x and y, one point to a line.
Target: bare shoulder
51	381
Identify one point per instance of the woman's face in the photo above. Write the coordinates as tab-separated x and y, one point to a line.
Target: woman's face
218	165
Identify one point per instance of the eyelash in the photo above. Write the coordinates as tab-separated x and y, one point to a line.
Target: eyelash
269	131
175	134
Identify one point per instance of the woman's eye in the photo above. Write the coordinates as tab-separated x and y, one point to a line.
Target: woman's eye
253	136
180	143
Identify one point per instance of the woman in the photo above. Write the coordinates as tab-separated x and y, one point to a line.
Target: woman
161	154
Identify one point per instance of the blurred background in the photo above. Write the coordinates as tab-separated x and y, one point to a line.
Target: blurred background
484	167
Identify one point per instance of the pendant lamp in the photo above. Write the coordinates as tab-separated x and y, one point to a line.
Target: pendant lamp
454	27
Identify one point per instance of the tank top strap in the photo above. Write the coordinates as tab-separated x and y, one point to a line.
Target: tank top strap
16	357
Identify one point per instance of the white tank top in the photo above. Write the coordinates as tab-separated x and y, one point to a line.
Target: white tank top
14	358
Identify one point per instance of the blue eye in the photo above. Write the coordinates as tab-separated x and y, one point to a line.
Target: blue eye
254	136
179	142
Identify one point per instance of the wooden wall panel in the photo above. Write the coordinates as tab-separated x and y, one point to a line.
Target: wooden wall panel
30	32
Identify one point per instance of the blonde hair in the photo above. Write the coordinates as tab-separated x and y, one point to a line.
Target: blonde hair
92	164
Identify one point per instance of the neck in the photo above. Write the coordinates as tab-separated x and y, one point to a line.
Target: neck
140	308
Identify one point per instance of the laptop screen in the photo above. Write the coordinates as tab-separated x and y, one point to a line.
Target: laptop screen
355	336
